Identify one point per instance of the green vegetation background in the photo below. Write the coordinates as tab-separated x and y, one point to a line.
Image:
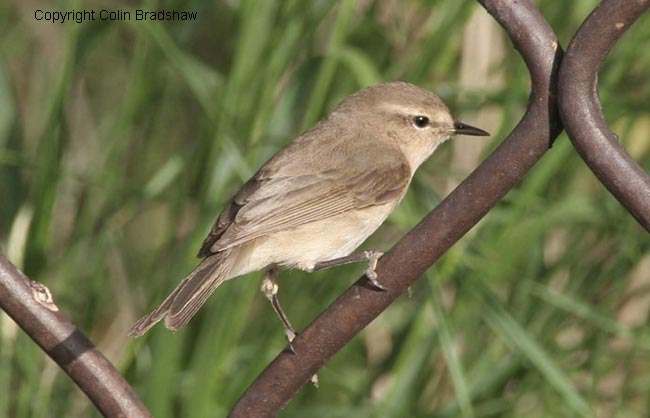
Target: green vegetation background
120	142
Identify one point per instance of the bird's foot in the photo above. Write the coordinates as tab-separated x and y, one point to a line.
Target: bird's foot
373	256
291	335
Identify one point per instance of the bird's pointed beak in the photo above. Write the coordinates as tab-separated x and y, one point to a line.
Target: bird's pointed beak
463	129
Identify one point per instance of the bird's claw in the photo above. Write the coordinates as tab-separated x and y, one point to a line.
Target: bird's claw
373	256
372	277
291	335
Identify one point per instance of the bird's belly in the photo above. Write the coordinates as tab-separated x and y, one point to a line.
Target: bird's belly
304	246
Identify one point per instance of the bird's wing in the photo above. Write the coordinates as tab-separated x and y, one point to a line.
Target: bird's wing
290	191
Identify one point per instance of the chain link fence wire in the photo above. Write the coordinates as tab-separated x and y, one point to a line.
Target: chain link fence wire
563	91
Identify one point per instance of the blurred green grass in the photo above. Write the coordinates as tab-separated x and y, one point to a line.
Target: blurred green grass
120	142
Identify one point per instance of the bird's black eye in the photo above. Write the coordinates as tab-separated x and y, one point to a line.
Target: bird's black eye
421	121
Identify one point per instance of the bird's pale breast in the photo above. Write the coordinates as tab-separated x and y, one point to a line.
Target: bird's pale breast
304	246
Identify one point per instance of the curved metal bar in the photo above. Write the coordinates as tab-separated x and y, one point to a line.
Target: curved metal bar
581	111
31	305
445	225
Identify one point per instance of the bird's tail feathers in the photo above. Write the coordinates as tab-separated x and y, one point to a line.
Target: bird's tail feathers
183	303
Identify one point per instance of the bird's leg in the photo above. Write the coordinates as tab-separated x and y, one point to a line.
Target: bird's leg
270	290
372	256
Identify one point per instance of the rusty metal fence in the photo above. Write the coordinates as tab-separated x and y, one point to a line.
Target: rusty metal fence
564	94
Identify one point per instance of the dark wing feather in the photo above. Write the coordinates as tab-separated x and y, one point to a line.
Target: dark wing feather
227	216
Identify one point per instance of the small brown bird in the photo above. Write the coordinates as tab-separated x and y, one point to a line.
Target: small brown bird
313	203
